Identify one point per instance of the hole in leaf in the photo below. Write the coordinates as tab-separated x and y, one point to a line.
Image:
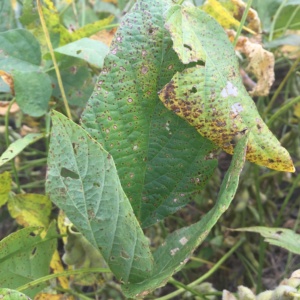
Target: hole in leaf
78	51
31	234
193	90
187	46
64	172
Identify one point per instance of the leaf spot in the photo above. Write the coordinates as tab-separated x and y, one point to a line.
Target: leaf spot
236	108
129	100
173	251
188	47
183	240
135	147
64	172
229	90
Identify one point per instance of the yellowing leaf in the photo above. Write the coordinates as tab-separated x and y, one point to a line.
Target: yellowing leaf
212	98
261	64
229	12
57	267
44	296
30	209
5	187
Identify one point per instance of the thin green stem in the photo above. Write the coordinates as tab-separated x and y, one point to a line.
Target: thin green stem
262	254
180	2
283	3
178	284
62	274
239	30
288	23
14	169
48	41
286	200
283	109
206	275
283	82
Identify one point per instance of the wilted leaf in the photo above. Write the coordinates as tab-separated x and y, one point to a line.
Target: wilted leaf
212	98
282	237
25	256
260	63
30	209
80	253
104	36
8	80
4	107
226	295
5	187
44	296
229	13
82	181
7	294
57	267
18	146
161	160
178	246
90	50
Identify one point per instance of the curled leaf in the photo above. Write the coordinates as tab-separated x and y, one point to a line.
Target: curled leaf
212	98
261	64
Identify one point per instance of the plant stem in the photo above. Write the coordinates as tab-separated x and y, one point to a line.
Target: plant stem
62	274
283	109
48	41
238	33
180	2
206	275
14	169
293	67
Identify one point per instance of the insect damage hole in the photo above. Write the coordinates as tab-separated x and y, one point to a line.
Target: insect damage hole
187	46
64	172
193	90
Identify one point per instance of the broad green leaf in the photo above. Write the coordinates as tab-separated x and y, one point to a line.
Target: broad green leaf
77	80
82	180
29	13
282	237
5	187
19	50
90	50
291	39
33	91
289	15
161	160
30	209
7	294
212	98
18	146
26	256
178	247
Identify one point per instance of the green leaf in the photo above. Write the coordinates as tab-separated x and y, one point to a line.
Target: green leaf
29	13
291	39
161	160
90	50
18	146
77	81
7	294
26	256
5	187
178	247
94	201
19	51
33	91
212	98
282	237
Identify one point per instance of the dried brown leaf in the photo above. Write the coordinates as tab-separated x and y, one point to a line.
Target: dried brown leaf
261	64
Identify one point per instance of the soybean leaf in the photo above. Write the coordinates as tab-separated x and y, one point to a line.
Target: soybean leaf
90	50
212	98
18	146
8	294
161	161
26	256
77	80
282	237
19	50
82	180
5	187
178	247
30	209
